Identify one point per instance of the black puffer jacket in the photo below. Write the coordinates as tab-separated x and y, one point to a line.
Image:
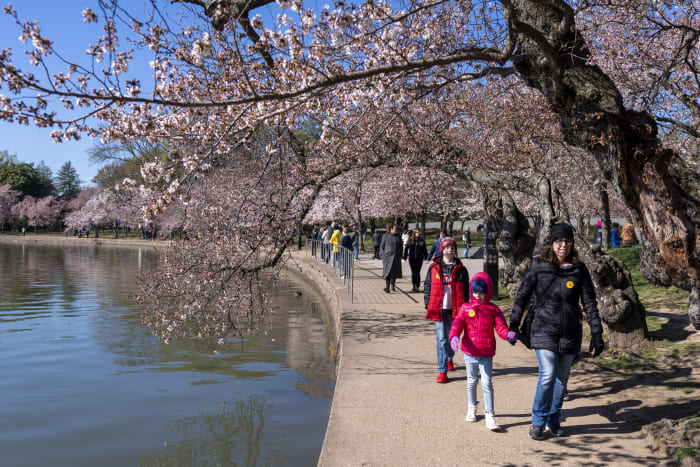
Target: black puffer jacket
557	322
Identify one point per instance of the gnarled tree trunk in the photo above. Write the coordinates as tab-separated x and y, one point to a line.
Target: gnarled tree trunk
551	56
515	243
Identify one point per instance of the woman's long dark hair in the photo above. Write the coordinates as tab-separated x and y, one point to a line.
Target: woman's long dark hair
551	257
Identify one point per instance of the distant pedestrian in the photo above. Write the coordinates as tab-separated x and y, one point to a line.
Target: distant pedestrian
478	319
416	252
615	235
345	242
435	249
628	236
405	236
390	250
335	242
598	234
327	240
445	288
376	242
467	239
24	231
355	236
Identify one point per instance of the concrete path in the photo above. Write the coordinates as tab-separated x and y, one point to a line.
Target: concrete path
388	410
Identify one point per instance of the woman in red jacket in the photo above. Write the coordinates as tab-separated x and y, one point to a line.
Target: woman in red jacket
478	319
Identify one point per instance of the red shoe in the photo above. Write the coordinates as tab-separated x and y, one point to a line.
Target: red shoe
442	377
450	365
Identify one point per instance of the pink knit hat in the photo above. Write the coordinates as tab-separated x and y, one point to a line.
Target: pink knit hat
600	223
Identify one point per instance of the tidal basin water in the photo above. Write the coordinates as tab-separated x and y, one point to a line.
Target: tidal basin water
83	383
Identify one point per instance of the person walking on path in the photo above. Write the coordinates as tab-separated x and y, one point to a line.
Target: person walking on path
355	236
416	252
390	250
478	319
345	242
435	249
467	239
445	287
327	240
335	242
559	282
376	242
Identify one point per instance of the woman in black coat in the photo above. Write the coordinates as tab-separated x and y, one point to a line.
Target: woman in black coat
391	249
416	252
560	282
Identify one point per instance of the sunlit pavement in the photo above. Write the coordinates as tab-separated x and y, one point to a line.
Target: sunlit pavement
388	410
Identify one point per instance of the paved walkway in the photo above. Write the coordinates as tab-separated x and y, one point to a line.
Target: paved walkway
388	410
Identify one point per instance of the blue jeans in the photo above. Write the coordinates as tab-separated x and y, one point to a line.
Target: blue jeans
476	365
444	350
356	248
466	253
549	396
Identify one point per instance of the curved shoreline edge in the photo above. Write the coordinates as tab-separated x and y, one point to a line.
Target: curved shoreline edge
44	239
336	301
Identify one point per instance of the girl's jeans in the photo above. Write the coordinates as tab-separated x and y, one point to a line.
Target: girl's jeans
442	331
476	365
549	396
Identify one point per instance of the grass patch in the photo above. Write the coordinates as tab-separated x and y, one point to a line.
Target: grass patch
648	292
683	453
621	363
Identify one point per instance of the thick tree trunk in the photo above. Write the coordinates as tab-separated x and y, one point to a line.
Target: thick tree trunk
618	303
604	212
551	56
515	242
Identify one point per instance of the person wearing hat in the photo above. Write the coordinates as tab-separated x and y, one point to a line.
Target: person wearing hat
444	289
478	319
559	283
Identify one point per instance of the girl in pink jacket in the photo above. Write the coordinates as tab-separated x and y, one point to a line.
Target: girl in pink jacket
478	319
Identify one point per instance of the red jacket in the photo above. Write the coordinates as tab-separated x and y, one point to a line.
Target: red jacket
434	290
478	320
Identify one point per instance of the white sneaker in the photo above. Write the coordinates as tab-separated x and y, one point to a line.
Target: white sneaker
471	413
491	422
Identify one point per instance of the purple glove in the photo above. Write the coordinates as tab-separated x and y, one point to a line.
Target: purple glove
454	343
512	337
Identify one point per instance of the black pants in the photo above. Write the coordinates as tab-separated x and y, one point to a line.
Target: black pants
376	251
416	265
390	281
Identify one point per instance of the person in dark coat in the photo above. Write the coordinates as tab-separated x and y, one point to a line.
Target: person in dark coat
376	242
560	282
416	252
435	248
391	249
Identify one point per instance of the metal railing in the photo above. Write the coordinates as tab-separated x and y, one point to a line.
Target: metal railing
336	257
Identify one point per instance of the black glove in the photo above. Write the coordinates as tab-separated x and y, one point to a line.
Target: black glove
597	346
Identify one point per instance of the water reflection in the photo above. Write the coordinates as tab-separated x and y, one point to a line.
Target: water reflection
231	437
85	381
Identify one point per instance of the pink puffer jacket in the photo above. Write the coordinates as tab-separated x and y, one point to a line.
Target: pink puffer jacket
478	321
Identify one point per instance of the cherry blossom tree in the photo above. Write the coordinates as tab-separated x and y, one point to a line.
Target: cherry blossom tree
39	212
8	197
229	88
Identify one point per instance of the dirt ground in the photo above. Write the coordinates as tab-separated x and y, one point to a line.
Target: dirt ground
657	391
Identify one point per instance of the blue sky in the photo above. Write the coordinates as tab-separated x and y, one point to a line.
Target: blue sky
62	22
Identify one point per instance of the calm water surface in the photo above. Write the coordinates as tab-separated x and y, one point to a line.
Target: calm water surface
82	383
